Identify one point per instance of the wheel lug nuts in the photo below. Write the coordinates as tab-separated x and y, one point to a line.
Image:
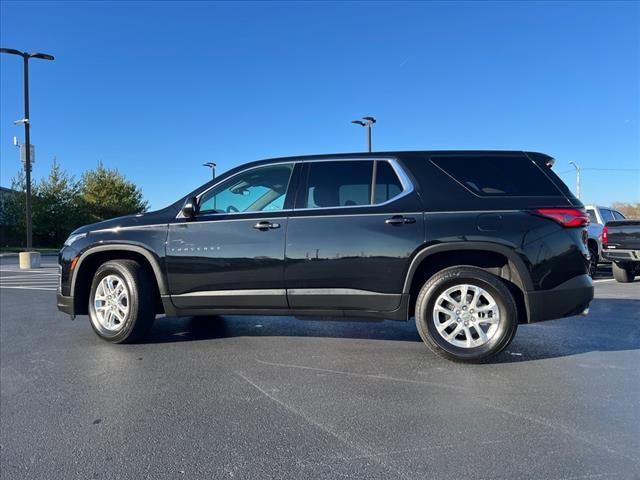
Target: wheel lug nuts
466	324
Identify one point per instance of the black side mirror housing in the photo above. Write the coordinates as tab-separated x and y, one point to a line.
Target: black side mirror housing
189	209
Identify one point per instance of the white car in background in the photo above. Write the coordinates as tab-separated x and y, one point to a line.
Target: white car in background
598	216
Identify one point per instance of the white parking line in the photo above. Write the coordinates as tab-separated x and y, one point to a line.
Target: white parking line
45	279
28	279
30	270
31	288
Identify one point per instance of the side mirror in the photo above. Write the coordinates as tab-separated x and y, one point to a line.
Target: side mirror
189	207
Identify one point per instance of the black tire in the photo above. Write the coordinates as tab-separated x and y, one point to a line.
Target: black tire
623	273
477	277
140	301
593	260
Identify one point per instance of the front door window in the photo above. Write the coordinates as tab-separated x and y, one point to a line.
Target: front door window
260	189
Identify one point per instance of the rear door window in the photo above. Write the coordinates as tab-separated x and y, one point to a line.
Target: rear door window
339	184
498	176
349	183
607	215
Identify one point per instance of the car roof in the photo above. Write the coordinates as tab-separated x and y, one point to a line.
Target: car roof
399	153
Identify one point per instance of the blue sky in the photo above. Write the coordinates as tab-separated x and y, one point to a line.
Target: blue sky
157	88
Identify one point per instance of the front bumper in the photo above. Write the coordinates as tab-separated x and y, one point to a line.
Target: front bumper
567	299
65	304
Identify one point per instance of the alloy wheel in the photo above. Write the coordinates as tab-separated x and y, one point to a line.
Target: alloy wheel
466	316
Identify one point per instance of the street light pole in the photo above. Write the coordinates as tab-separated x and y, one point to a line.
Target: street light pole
212	166
27	151
366	122
27	130
577	167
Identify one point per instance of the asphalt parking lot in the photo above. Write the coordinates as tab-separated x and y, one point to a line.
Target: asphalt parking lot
278	397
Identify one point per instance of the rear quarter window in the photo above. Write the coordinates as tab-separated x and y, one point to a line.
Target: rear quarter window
500	176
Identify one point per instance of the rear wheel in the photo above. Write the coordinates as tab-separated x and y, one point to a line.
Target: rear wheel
121	307
624	272
593	260
466	314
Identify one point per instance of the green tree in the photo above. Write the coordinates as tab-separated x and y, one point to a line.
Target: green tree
106	193
55	205
12	225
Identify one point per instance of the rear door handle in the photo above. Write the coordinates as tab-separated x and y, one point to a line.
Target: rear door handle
399	220
266	225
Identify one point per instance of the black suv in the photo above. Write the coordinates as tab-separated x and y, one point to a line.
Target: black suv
470	243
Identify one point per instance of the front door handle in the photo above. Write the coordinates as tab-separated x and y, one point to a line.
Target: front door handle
266	225
399	220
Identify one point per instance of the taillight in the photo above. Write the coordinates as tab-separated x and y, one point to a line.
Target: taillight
567	217
605	235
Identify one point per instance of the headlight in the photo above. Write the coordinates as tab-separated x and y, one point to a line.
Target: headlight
73	238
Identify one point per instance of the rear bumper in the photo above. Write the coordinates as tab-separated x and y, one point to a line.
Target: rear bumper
616	255
65	304
569	298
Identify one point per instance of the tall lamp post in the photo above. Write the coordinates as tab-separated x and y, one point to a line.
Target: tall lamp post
577	167
27	127
366	122
212	166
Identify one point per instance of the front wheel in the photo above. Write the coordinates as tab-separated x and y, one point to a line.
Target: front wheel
120	306
466	314
623	272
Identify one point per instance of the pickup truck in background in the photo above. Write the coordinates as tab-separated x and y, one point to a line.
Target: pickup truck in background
598	216
621	245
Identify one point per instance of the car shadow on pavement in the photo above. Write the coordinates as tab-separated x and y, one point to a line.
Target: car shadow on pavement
612	325
181	329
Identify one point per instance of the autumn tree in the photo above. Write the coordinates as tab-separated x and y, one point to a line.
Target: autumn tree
629	210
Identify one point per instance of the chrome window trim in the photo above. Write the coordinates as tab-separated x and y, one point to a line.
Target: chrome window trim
407	185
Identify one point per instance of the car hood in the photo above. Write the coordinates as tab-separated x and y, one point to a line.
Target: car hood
150	218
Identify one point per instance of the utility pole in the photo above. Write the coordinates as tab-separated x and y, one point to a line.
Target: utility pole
577	167
366	122
27	130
